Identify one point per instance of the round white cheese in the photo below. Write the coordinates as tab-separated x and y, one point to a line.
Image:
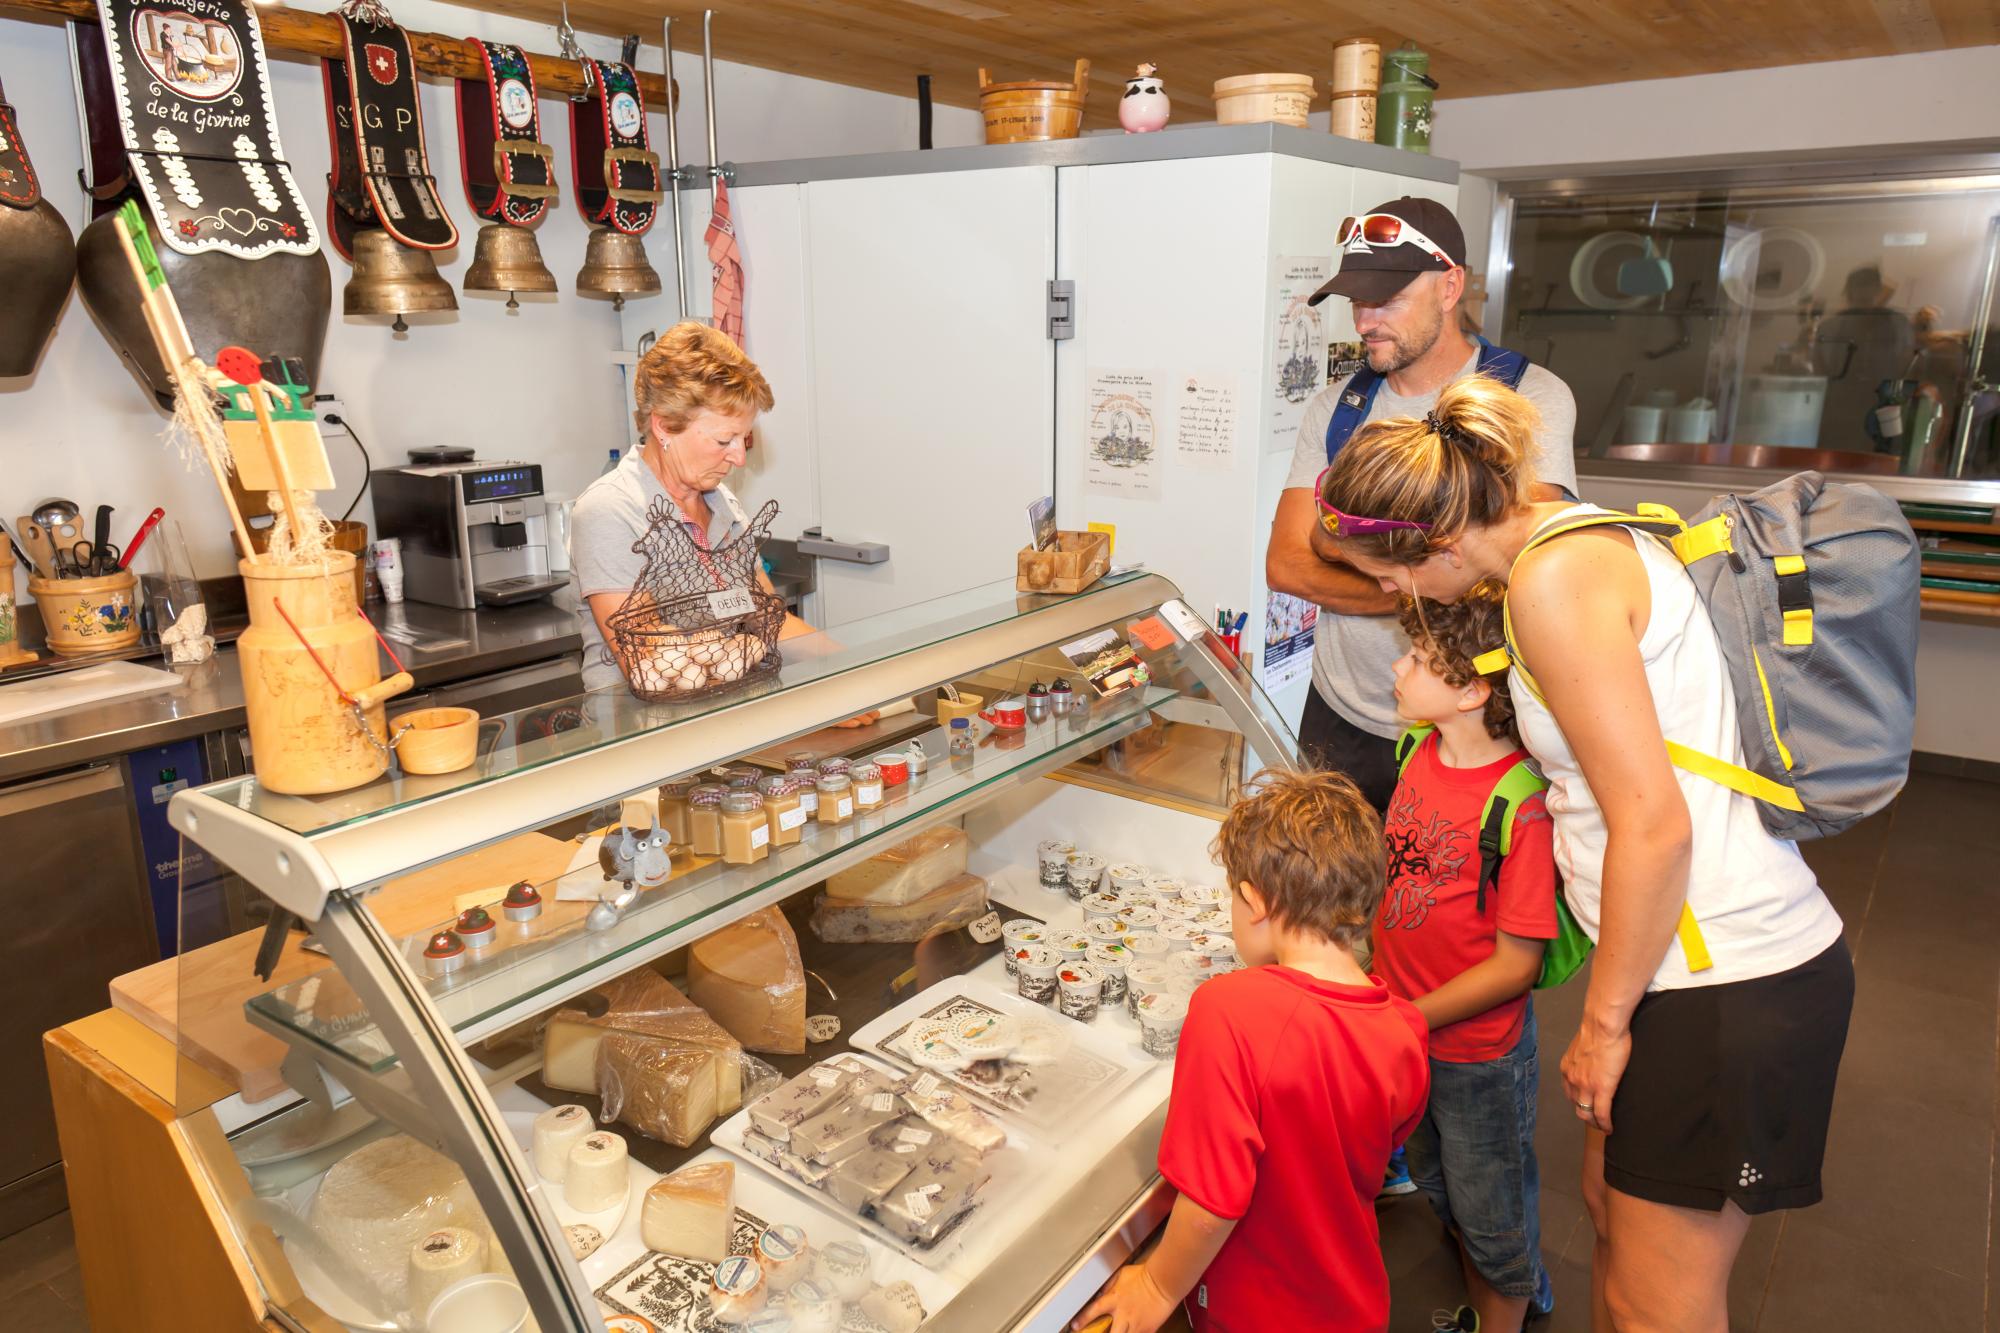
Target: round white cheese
440	1259
379	1200
597	1176
556	1132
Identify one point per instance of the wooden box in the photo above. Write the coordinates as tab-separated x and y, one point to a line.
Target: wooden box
1077	560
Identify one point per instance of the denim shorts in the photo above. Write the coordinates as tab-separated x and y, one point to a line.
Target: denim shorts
1473	1156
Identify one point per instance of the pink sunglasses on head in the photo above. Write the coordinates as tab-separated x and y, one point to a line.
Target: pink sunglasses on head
1343	524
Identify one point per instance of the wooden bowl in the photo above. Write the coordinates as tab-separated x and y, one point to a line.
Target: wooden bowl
437	740
1251	98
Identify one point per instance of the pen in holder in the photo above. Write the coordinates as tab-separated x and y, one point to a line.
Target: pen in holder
1234	643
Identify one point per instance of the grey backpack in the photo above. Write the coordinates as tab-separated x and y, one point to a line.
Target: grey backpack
1813	589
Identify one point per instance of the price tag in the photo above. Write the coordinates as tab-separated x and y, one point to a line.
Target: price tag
917	1137
918	1205
986	929
824	1076
730	603
882	1103
926	1084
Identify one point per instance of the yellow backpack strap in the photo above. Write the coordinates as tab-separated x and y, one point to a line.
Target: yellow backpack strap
1692	944
1493	661
1733	776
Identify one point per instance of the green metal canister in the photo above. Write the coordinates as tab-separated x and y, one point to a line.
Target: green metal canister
1403	107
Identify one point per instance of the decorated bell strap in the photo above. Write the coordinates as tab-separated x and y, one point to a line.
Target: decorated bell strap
381	171
194	111
19	186
509	172
617	175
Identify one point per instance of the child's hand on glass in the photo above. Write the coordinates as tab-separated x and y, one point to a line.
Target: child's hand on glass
1131	1302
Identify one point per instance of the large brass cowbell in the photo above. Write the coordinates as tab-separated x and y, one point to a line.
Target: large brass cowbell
390	278
506	259
614	265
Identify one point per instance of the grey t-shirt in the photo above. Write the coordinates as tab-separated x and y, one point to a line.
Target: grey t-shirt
1353	655
608	521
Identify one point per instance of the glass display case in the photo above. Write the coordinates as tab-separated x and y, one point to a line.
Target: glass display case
1771	318
797	1020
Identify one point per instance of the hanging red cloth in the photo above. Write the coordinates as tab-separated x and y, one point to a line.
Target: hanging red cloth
725	257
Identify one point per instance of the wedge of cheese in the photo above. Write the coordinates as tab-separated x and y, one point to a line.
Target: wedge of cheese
958	902
662	1089
906	872
645	1004
691	1213
749	978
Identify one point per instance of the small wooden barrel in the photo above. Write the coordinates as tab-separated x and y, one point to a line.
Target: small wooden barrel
1249	99
89	615
1357	66
1031	111
436	740
1353	116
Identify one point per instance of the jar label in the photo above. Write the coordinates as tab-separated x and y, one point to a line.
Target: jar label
846	807
791	819
730	603
870	794
760	835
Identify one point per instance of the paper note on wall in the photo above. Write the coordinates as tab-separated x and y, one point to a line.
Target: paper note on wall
1289	623
1298	350
1122	451
1205	421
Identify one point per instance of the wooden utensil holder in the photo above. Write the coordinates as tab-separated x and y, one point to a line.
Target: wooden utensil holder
1073	563
89	615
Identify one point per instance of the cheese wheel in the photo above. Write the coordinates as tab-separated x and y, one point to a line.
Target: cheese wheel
692	1213
813	1308
738	1290
784	1254
664	1091
905	872
598	1173
749	978
382	1198
556	1132
844	1268
440	1259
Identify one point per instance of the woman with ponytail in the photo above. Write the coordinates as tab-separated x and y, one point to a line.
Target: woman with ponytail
1705	1078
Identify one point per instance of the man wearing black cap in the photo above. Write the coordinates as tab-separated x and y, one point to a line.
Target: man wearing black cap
1402	267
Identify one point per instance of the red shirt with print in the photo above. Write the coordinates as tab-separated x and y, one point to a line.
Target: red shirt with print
1289	1095
1430	928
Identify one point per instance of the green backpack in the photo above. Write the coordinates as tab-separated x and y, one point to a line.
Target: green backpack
1564	954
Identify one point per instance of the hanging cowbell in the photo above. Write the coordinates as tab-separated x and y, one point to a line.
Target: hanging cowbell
392	279
614	265
506	259
37	257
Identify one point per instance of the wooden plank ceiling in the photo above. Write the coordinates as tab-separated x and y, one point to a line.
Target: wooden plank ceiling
1477	46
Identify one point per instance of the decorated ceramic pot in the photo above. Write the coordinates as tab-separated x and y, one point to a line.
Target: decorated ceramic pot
1144	107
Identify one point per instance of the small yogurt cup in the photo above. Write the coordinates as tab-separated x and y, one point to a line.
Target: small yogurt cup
1163	886
1180	934
1204	895
1102	903
1213	947
1140	918
1126	877
1161	1015
1147	946
1086	872
1111	960
1177	909
1035	967
1079	991
1071	944
1153	977
1052	862
1016	933
1107	930
1216	921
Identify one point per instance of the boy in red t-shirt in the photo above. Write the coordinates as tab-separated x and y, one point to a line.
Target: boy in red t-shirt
1294	1080
1467	956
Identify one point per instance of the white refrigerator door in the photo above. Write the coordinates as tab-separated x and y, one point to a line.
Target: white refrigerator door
933	377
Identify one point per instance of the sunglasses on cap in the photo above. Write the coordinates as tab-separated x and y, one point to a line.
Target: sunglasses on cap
1340	523
1386	231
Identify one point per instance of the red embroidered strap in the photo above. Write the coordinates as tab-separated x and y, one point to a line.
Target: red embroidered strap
617	175
509	171
18	185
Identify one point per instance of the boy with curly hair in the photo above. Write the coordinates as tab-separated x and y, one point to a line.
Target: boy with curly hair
1460	935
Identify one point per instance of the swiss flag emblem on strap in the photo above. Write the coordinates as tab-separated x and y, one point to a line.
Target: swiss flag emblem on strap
381	62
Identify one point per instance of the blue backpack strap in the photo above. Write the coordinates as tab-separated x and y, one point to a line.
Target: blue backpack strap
1501	363
1352	408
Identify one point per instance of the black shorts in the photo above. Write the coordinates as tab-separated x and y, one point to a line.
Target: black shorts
1329	741
1730	1088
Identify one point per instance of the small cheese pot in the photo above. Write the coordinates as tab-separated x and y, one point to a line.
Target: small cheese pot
1008	714
436	740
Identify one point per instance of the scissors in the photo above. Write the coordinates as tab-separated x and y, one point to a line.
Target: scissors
89	560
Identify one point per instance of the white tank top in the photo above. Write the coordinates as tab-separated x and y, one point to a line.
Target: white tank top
1759	905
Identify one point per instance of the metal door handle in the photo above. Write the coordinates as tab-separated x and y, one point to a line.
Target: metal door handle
811	542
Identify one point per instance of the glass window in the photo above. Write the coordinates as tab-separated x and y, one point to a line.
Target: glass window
1836	327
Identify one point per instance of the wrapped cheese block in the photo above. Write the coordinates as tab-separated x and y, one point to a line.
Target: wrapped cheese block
842	1129
749	978
662	1089
385	1196
737	1290
860	1181
947	1110
639	1002
956	903
895	1307
556	1132
692	1212
598	1173
767	1149
905	872
940	1189
807	1095
440	1259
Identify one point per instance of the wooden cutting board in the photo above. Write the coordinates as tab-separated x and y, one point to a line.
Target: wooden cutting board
212	984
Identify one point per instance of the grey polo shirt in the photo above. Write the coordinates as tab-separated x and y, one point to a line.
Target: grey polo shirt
608	521
1353	655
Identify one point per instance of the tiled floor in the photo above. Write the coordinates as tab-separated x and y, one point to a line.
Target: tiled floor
1904	1238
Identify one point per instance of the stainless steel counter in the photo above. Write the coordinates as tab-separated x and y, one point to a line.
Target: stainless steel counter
210	698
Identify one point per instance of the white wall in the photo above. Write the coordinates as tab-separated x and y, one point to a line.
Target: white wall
81	427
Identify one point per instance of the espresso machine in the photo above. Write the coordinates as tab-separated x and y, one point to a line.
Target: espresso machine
473	533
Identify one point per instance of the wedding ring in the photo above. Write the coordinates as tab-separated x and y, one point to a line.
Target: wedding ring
1584	1106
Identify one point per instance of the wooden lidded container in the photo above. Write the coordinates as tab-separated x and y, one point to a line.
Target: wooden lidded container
1031	111
1248	99
89	615
1357	75
303	737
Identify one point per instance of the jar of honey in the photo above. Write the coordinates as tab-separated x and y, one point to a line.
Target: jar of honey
746	830
836	798
805	777
867	779
783	809
705	818
674	810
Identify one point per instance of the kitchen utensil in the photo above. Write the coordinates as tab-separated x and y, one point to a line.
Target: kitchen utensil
20	548
40	546
88	615
1651	274
91	561
1781	409
61	519
139	537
